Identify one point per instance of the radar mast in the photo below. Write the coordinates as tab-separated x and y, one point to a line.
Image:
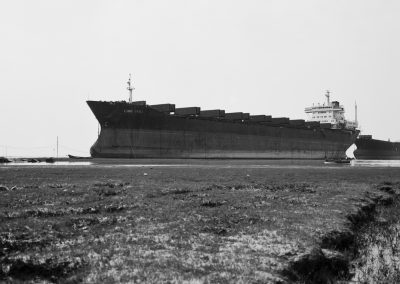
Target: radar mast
355	109
327	95
130	88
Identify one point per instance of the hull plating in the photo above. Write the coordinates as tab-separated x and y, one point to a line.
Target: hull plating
144	133
372	149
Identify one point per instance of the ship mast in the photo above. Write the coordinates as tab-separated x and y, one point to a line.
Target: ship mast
355	106
327	95
130	88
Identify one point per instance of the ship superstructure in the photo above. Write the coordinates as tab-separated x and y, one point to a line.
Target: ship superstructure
135	129
331	114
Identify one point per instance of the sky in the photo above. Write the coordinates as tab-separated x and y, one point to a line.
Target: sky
257	56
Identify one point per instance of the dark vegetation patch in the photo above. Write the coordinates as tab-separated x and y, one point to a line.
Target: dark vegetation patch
214	187
217	230
168	191
31	186
81	222
330	261
106	189
378	246
107	192
390	187
212	203
56	185
110	184
4	188
273	187
20	241
381	199
51	269
362	214
387	188
338	240
318	266
227	223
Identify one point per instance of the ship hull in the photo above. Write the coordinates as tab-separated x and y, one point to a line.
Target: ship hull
373	149
140	132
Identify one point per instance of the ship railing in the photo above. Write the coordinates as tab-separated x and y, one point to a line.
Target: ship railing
323	109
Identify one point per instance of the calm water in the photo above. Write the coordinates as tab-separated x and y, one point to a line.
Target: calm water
198	163
375	163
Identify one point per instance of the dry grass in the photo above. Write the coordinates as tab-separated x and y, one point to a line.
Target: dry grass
175	224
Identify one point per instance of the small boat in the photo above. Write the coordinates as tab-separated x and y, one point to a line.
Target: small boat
50	160
78	157
337	161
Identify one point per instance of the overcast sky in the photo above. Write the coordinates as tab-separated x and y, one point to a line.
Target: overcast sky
263	57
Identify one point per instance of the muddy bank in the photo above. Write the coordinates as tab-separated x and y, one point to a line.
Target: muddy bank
364	251
270	225
378	244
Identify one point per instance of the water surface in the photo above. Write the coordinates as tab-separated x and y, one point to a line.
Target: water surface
211	163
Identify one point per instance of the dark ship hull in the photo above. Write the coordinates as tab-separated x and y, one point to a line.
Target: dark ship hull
139	131
373	149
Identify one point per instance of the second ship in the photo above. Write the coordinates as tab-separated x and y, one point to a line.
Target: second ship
374	149
137	130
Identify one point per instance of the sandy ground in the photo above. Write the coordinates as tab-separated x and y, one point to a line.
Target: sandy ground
197	222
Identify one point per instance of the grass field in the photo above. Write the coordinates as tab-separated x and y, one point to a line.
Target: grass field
211	222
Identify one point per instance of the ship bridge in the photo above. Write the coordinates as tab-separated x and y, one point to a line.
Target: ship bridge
330	113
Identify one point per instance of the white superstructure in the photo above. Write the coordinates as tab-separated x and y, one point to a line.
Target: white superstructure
331	112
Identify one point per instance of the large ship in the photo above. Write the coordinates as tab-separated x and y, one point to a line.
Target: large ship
135	129
373	149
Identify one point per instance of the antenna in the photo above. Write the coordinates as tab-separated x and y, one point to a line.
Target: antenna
327	95
130	88
355	107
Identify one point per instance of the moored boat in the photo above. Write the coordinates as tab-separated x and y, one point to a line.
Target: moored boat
374	149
